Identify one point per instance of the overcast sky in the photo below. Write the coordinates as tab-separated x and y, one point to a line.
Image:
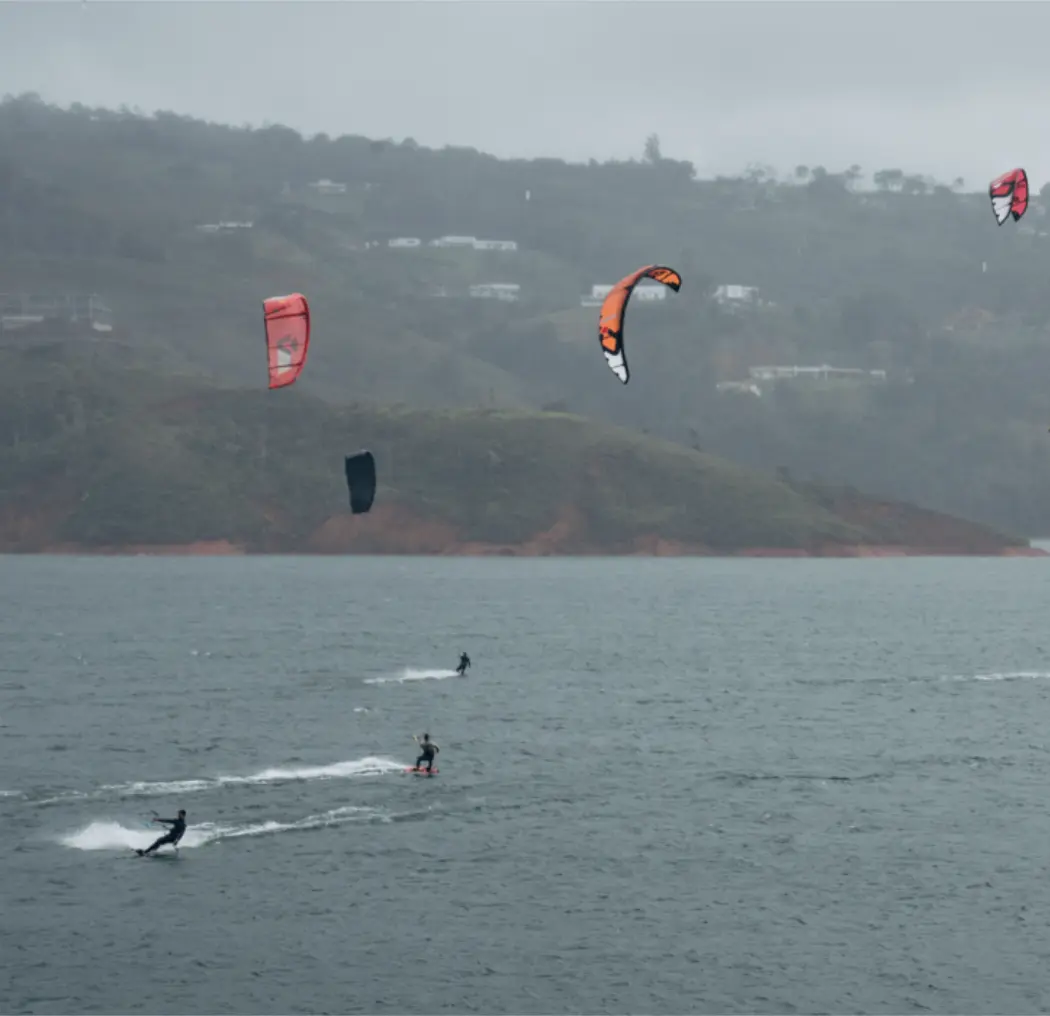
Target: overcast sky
948	89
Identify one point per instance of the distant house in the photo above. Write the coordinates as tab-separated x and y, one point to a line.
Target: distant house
328	187
509	292
732	294
495	245
20	311
454	241
821	373
642	294
740	387
405	241
224	227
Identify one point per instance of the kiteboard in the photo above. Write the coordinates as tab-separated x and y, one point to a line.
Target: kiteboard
420	772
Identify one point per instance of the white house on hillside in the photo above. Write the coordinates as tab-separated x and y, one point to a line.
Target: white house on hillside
223	227
732	294
740	387
454	241
506	291
821	373
652	293
328	187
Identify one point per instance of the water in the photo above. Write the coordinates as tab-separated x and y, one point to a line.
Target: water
666	785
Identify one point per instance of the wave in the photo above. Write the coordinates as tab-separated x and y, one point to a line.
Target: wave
1009	675
369	766
411	674
110	835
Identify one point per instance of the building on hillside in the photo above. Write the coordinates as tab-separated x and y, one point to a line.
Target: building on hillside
327	187
454	241
734	295
37	311
643	293
224	227
509	292
495	245
740	387
405	242
821	373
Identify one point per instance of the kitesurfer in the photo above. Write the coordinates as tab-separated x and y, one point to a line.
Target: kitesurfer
428	749
464	662
172	836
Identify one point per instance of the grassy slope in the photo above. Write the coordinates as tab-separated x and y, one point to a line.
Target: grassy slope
103	453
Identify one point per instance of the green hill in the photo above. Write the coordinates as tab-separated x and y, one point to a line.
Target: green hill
95	453
868	270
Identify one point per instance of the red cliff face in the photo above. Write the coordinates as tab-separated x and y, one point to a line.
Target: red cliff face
393	528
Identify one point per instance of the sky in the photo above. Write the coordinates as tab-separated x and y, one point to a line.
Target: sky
941	88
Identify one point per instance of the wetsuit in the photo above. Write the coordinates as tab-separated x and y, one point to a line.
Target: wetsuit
178	827
464	662
429	750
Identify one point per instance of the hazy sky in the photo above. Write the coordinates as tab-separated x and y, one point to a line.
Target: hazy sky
950	89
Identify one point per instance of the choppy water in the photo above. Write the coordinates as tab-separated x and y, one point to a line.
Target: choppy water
666	786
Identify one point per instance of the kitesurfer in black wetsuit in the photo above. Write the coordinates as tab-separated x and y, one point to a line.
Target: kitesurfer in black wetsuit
464	662
429	750
172	836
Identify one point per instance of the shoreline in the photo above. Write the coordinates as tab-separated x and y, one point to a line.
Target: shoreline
658	548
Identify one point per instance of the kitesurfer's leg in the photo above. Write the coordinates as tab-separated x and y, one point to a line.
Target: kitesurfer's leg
166	838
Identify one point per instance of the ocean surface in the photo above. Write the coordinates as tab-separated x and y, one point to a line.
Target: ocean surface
666	786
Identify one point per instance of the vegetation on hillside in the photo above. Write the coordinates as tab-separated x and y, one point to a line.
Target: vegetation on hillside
97	453
877	270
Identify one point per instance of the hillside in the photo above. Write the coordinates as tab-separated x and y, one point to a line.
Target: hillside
183	227
97	455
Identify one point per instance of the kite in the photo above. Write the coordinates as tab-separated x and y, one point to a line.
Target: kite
1009	194
610	320
287	320
361	481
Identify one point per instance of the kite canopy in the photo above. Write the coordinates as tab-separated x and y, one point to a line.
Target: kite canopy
610	319
1009	194
361	481
287	321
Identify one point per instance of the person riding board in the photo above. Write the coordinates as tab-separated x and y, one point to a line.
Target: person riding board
464	662
428	749
172	836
